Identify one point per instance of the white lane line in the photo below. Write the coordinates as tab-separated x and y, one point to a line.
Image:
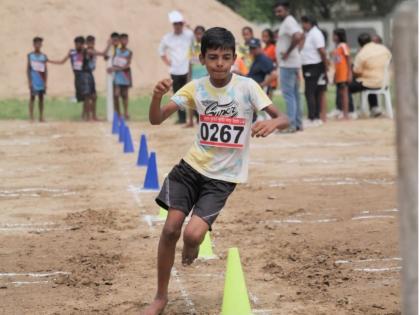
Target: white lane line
367	260
370	217
377	211
36	229
33	274
296	221
19	283
378	269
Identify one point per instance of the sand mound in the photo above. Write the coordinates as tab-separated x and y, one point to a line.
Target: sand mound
59	21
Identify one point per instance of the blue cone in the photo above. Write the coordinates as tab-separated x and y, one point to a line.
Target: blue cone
115	125
143	158
128	143
121	130
151	180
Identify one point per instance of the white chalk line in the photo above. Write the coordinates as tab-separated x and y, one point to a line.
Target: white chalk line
310	144
378	269
328	181
33	227
325	161
33	274
35	192
177	277
378	211
373	217
338	262
20	283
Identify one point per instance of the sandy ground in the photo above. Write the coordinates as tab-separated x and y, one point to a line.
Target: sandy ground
316	225
60	21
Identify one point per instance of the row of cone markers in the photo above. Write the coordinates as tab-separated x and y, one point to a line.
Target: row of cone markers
235	296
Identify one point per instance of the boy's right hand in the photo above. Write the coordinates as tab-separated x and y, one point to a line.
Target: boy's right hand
162	87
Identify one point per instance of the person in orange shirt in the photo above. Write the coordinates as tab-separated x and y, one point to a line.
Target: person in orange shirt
343	74
267	37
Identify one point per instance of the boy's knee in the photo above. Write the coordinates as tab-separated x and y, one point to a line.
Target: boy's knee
171	233
192	238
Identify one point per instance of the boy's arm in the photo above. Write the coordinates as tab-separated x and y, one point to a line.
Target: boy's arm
59	62
157	115
28	73
349	71
264	128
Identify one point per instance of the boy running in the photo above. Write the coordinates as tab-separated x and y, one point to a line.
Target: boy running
37	78
218	159
122	75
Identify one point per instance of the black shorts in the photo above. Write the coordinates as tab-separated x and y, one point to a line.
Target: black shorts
84	84
187	190
37	92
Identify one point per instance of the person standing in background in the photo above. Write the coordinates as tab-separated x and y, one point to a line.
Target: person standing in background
314	68
174	50
288	58
269	49
197	70
37	78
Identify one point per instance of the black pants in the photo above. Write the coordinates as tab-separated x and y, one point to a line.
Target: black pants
312	73
356	86
178	82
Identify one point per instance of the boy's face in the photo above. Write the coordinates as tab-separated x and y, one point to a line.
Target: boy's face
115	41
247	35
124	41
78	45
37	45
218	62
198	35
265	37
306	26
90	44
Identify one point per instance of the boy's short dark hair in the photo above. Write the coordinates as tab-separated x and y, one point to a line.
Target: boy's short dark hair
363	39
341	34
37	39
199	28
217	37
309	19
115	35
123	35
282	3
79	39
90	38
248	28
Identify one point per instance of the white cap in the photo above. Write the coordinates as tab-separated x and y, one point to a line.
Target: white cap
175	17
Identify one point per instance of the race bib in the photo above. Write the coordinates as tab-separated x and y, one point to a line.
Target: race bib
77	65
120	61
223	132
38	66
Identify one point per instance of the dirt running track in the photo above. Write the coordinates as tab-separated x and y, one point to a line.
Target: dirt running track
316	226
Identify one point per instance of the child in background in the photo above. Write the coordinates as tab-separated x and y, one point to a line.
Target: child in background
37	78
343	74
267	37
83	78
197	70
92	54
218	159
122	75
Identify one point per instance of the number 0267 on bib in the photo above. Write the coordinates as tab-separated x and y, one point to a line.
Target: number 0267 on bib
223	132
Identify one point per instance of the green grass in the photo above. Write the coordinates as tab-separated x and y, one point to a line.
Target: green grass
64	109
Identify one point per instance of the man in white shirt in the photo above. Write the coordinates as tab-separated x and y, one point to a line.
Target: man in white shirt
290	36
174	51
314	67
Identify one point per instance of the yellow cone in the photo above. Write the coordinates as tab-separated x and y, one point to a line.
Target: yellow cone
206	250
163	213
235	297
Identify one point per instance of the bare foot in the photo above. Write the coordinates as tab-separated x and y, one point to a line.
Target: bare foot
156	307
42	119
189	125
189	255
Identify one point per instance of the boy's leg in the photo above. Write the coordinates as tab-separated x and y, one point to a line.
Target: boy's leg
194	234
31	106
166	256
117	93
124	94
85	113
41	106
93	107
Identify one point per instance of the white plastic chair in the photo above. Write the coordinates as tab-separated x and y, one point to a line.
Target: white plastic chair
384	90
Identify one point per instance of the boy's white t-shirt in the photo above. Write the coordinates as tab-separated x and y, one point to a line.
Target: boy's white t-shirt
221	147
288	27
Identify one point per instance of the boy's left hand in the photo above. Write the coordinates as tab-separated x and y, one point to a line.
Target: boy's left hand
264	128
